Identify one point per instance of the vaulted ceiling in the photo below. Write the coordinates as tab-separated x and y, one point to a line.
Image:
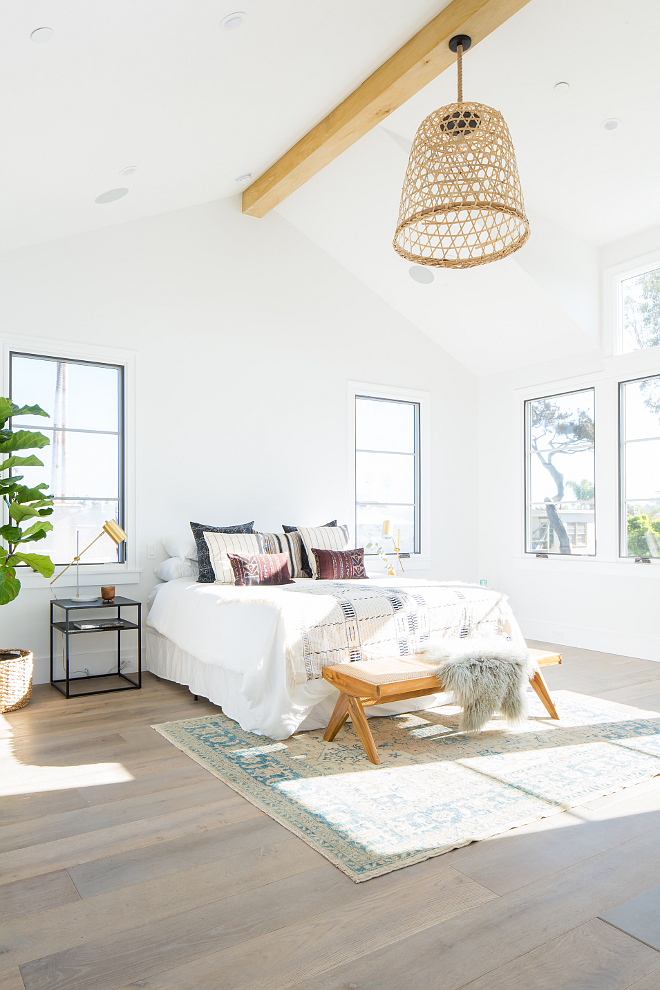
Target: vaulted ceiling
162	86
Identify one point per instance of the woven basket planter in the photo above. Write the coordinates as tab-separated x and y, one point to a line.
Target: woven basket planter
15	679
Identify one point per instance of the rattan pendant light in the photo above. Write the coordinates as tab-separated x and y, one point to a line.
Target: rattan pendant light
461	203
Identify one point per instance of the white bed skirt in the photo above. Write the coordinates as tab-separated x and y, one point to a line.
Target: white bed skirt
315	699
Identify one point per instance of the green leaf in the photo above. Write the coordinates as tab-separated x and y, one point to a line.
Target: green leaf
25	494
11	534
21	440
31	461
20	512
9	408
37	561
9	584
41	535
40	526
30	411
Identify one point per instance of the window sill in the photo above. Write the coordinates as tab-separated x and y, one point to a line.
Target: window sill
413	564
117	574
620	566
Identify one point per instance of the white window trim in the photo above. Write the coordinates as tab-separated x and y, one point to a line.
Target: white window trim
612	309
128	572
606	561
417	561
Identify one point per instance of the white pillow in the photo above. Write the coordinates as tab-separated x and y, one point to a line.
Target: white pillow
220	544
181	546
324	538
176	567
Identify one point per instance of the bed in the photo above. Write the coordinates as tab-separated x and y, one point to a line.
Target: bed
259	652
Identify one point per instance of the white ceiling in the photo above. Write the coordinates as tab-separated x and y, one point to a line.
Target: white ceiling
160	85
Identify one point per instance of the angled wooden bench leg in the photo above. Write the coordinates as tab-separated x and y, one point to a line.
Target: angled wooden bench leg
356	711
541	688
339	716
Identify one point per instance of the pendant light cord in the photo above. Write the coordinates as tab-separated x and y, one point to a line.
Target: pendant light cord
459	52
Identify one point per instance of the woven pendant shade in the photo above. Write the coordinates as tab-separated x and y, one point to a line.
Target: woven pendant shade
461	204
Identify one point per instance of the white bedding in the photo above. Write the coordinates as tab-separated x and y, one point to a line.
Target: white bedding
260	637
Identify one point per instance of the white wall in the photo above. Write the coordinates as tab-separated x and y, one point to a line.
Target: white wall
246	334
604	604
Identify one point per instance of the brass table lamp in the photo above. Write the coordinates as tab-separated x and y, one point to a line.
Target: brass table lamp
111	529
387	531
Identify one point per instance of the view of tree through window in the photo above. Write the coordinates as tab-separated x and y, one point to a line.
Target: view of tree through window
83	465
560	485
640	467
386	471
640	298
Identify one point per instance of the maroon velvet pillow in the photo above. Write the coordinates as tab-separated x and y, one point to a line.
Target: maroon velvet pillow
339	565
260	568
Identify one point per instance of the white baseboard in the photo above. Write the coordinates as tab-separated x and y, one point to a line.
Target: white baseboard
102	662
625	644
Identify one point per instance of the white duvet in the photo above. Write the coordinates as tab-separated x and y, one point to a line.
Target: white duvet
261	637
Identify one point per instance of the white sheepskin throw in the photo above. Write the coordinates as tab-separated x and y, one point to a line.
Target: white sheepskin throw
485	676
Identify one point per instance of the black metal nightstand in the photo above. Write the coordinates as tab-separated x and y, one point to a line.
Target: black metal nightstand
68	629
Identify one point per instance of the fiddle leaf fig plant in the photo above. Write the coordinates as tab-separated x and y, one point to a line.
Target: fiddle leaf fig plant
26	508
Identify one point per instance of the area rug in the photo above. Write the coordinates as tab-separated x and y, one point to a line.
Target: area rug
436	788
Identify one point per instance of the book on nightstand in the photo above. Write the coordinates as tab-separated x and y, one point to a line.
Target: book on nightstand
98	624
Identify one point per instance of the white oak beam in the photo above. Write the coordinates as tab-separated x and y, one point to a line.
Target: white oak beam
420	60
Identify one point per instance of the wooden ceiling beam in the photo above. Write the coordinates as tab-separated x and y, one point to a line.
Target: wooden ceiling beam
423	58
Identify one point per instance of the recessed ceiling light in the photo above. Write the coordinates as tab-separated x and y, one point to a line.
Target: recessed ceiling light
421	274
562	87
242	179
39	35
232	21
128	170
611	124
111	195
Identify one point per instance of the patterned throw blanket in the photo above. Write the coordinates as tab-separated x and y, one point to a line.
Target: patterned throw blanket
329	622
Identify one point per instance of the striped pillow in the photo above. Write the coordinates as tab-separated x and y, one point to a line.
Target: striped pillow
260	568
306	566
291	545
324	538
220	544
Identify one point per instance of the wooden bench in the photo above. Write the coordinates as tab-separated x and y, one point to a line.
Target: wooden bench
378	682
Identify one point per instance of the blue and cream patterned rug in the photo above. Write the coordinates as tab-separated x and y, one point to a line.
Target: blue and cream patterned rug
436	789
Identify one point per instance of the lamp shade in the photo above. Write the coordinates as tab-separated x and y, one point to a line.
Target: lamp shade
461	203
114	531
387	528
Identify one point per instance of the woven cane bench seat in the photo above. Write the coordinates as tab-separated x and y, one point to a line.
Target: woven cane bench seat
389	670
364	683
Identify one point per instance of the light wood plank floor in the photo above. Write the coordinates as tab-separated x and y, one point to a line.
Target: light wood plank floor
124	864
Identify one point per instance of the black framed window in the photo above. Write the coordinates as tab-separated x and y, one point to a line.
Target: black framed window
560	474
639	435
387	470
84	463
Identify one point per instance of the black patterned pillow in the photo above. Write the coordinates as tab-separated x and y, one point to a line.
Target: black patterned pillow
206	572
260	568
306	566
289	543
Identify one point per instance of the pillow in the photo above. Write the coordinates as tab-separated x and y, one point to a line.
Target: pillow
290	544
206	573
339	565
324	538
220	544
306	570
260	568
176	567
182	545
